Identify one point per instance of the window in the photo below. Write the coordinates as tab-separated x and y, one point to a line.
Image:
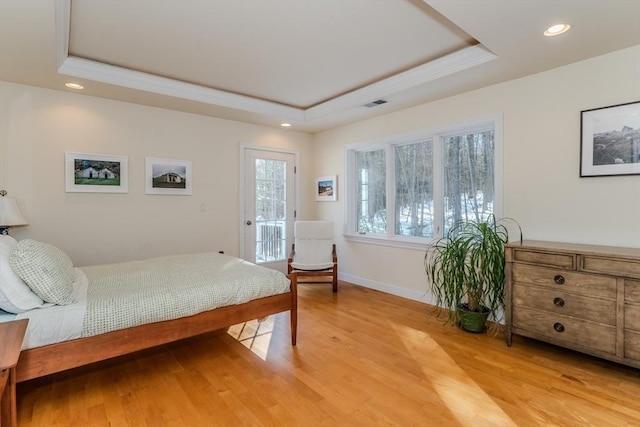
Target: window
415	187
371	205
270	210
413	180
468	177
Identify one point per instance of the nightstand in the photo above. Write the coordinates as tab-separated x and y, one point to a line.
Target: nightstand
11	337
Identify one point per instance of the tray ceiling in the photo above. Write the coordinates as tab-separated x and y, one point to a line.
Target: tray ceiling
313	63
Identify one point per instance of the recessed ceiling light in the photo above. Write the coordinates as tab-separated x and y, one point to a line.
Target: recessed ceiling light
74	86
285	125
557	29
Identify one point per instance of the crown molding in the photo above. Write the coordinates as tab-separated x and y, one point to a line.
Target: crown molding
62	10
119	76
97	71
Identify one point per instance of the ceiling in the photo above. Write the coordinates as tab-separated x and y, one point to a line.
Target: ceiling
315	64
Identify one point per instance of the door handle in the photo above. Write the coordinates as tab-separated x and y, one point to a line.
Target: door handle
248	223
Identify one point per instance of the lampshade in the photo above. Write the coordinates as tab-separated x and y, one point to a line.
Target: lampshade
9	213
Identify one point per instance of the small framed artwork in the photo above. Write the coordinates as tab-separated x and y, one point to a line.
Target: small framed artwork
326	188
96	173
610	140
167	176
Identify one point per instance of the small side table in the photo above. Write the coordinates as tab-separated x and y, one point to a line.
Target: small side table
11	337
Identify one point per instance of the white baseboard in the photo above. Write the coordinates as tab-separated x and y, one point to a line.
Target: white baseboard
424	297
388	288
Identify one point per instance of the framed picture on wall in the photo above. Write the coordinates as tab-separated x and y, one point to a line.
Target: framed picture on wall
610	140
326	188
96	173
168	176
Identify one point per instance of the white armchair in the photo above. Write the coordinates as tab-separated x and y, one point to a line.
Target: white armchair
313	253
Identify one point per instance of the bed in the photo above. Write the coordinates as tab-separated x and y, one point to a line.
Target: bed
79	316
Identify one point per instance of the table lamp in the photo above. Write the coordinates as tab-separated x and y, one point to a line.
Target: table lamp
10	215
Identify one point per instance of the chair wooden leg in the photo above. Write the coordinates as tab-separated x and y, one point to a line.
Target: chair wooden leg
294	308
335	279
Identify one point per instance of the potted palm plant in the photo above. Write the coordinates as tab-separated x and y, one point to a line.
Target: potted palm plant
465	270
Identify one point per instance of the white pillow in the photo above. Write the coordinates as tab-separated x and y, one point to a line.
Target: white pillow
15	295
46	269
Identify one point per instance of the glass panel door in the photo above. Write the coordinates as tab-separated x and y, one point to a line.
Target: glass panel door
269	207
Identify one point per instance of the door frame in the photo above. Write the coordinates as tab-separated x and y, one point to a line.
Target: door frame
243	186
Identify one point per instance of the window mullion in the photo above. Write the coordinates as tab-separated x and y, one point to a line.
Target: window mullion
391	191
350	208
438	187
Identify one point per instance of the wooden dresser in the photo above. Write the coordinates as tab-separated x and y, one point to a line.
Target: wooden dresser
582	297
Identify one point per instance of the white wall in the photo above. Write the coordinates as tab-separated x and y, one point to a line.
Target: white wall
39	125
541	155
542	187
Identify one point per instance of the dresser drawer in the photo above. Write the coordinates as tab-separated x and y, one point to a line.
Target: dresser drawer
567	261
553	278
632	291
632	345
559	302
616	267
632	316
566	329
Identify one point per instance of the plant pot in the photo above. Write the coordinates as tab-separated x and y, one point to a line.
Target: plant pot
472	321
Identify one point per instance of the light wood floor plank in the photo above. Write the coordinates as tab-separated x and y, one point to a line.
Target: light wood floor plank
364	358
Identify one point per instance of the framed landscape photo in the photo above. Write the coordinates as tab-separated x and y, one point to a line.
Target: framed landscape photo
96	173
168	176
326	188
610	140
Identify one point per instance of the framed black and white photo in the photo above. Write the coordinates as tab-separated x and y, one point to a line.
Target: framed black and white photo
610	140
168	176
326	188
95	173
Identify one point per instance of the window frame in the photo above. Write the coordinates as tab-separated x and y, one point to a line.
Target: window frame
436	135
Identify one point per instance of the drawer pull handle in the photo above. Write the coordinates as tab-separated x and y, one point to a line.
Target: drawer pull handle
558	302
558	327
559	279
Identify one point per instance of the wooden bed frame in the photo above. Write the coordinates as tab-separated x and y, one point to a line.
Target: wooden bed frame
41	361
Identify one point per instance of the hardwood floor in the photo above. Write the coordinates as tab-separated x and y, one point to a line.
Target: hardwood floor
363	358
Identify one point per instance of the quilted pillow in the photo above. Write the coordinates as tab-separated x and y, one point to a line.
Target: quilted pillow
15	296
46	269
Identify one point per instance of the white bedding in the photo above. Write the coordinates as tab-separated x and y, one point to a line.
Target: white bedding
6	317
123	295
57	323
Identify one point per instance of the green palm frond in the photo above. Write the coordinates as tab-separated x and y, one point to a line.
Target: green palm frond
467	266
